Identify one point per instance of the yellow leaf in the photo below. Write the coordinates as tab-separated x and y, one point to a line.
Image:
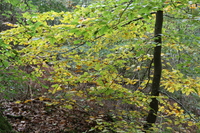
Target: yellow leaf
28	101
169	128
193	7
78	66
18	102
137	69
54	91
171	89
162	108
41	98
176	122
68	106
190	123
10	24
170	121
175	104
44	99
48	103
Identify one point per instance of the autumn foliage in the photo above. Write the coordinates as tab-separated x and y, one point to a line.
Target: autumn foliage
92	70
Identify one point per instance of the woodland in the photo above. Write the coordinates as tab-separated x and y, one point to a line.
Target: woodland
99	66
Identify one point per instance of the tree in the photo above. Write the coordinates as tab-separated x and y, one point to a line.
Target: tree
104	57
151	118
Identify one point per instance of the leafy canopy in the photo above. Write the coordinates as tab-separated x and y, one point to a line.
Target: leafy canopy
107	48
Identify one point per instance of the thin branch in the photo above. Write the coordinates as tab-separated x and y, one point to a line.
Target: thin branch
172	17
83	43
180	104
136	20
149	70
124	11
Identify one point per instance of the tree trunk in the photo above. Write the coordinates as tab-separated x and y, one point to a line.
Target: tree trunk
151	118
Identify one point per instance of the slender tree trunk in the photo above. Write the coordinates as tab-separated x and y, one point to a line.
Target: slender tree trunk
151	118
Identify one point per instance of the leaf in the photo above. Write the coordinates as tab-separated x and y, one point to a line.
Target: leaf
44	98
103	30
97	67
18	102
4	63
27	101
89	43
36	25
131	16
68	106
77	41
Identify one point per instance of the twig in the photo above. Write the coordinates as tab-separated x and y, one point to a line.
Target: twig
136	20
124	11
180	104
149	70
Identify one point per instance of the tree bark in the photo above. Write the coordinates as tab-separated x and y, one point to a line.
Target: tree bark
152	115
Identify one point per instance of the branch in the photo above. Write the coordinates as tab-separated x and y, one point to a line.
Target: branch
118	22
172	17
124	11
83	43
135	20
180	104
149	70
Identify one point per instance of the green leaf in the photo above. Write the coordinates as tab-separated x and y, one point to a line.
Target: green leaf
131	16
89	43
77	41
5	63
103	30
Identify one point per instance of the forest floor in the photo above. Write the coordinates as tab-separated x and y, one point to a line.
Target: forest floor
41	116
